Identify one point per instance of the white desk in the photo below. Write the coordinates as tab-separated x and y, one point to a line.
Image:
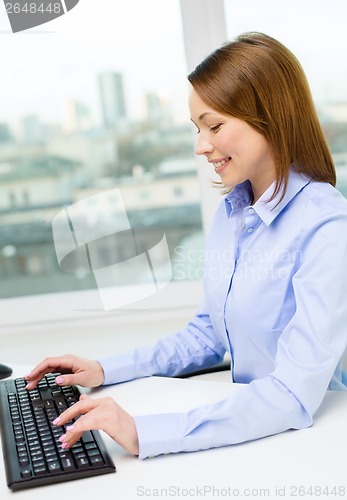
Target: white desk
311	457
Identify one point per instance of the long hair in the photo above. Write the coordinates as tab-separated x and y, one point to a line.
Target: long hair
257	79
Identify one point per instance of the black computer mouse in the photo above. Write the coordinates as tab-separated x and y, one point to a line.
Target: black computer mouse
5	371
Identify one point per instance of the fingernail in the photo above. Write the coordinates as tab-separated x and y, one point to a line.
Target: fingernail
59	380
56	421
27	385
70	428
61	439
64	445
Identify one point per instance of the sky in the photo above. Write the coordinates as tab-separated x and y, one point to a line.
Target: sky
143	40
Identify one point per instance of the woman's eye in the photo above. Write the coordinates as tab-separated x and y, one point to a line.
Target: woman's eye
215	128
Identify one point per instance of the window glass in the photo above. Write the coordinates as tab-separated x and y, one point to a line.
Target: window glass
90	103
315	31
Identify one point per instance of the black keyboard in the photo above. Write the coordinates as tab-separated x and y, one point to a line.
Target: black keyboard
30	442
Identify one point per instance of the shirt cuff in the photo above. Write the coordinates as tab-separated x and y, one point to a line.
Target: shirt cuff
159	433
117	369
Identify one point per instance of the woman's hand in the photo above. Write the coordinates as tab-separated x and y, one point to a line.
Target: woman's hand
76	370
99	414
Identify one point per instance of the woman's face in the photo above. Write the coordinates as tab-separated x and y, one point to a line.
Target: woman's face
235	149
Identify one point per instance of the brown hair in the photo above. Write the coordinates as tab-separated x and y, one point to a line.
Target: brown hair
257	79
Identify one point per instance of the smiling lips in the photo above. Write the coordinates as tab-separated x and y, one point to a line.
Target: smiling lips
220	165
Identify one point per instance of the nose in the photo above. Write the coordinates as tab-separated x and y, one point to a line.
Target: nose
203	146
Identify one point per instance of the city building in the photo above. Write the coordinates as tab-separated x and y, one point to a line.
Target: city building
112	98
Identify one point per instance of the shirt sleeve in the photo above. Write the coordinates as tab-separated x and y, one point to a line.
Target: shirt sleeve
192	348
309	350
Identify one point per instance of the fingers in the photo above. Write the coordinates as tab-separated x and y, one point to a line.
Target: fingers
82	407
75	370
99	414
49	365
74	432
68	379
61	364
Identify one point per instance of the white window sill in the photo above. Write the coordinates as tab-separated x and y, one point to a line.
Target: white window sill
75	309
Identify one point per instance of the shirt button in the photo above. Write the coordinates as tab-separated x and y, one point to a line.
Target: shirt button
250	230
251	211
220	315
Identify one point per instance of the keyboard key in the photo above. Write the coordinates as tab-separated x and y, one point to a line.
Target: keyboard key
63	453
45	433
25	473
67	464
47	440
33	442
35	448
76	449
39	463
48	447
87	437
36	453
82	463
90	446
40	471
97	460
92	453
53	466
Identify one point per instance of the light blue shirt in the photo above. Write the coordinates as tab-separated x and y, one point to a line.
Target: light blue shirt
276	299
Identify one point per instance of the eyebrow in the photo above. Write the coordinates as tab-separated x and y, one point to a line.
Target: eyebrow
202	116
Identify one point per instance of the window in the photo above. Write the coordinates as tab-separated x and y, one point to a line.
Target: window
93	106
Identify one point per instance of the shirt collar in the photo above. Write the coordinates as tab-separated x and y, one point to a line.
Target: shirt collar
269	211
241	196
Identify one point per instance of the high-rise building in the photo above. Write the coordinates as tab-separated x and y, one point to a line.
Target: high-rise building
77	117
5	134
111	90
30	130
153	107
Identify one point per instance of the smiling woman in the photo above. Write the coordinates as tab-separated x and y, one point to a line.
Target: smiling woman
280	315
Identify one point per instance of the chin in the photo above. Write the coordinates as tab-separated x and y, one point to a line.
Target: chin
230	183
